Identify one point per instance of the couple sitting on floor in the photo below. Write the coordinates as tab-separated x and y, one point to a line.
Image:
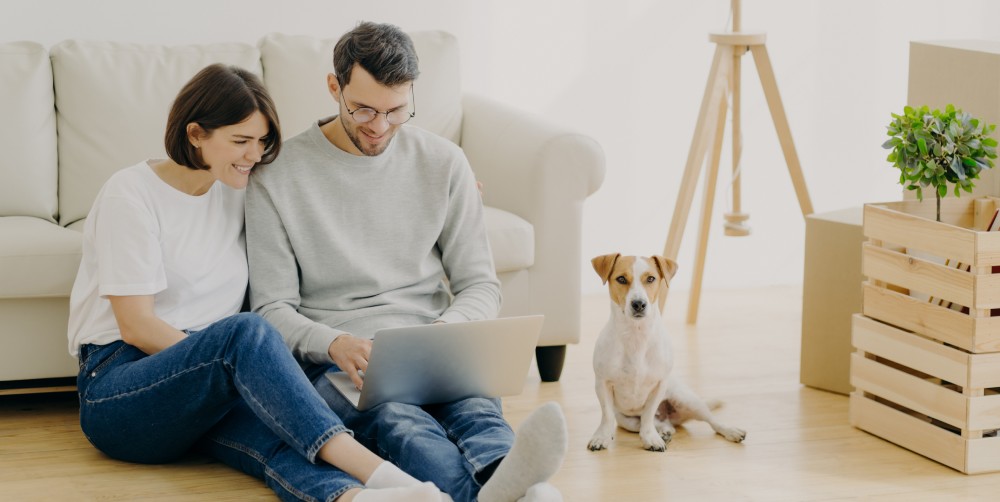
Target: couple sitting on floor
361	223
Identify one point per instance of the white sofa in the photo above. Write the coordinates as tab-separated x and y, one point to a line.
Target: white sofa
72	114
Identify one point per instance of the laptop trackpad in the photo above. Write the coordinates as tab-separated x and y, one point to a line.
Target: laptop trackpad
345	386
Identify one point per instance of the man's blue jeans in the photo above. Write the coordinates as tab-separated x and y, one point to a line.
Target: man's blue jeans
232	388
445	444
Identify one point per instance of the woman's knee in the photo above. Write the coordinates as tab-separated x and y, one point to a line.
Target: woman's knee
252	329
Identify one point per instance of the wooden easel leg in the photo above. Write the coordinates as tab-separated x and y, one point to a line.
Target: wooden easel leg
708	202
707	116
770	85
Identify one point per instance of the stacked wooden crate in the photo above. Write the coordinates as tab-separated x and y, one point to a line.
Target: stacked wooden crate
927	367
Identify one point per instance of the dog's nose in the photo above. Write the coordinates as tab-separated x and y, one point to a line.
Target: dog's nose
638	306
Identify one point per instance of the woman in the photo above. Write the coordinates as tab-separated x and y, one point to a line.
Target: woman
166	361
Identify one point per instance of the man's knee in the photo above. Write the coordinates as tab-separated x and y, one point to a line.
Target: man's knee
479	405
413	419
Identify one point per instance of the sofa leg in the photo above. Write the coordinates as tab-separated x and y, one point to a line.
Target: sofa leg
550	362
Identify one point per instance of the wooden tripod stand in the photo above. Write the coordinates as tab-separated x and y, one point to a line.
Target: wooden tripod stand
723	82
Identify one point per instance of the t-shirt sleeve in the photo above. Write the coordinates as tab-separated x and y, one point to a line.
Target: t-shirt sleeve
129	256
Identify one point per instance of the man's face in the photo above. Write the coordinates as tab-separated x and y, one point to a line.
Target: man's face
373	137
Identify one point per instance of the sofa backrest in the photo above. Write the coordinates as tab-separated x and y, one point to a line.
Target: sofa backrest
112	99
295	70
28	166
112	102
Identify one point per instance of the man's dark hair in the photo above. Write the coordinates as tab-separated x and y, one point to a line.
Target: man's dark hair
219	95
381	49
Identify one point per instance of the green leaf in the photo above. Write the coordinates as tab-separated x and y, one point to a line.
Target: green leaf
954	130
942	190
922	144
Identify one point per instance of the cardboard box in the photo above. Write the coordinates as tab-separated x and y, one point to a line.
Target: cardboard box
831	294
964	73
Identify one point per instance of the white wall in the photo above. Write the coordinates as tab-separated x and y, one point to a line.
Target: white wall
630	73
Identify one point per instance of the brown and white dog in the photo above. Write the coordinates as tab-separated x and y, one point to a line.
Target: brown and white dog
633	359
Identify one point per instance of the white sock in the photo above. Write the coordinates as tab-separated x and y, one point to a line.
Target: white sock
538	451
387	475
542	492
423	492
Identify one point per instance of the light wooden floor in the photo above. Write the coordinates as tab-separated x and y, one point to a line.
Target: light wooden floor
744	351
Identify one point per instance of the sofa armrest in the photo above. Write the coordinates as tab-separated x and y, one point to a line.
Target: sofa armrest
541	172
513	151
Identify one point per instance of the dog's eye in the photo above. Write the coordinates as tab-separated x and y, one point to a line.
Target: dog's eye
650	279
621	279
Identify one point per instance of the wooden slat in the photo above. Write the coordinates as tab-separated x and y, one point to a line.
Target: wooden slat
984	412
982	212
917	274
911	350
988	247
986	291
38	390
906	390
923	317
957	212
915	232
909	432
984	371
983	455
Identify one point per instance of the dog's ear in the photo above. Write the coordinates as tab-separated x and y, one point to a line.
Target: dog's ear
604	264
666	266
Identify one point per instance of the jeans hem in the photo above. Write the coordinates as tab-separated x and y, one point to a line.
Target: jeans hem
342	491
323	439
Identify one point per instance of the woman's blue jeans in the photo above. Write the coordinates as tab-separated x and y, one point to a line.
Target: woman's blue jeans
233	389
447	444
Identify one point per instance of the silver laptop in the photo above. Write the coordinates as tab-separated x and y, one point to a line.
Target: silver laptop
441	363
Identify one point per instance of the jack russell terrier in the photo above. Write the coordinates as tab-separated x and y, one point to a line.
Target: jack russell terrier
633	359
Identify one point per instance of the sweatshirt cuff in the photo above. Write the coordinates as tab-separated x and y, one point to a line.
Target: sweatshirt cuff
453	316
318	347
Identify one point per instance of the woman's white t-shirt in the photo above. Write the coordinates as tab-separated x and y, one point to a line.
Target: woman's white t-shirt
145	237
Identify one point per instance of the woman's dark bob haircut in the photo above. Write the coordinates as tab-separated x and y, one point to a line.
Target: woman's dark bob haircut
219	95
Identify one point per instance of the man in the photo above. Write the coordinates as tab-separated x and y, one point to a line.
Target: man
365	223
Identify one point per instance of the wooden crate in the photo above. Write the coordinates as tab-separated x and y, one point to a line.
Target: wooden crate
927	368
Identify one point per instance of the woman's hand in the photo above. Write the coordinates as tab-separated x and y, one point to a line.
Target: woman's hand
139	325
351	354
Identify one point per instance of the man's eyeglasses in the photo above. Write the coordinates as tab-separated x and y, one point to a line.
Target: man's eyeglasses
398	116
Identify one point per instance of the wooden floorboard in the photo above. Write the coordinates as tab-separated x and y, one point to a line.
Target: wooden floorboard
744	351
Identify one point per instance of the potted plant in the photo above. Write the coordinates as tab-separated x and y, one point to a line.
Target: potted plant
935	148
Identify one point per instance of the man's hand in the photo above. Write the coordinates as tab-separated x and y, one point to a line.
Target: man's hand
351	354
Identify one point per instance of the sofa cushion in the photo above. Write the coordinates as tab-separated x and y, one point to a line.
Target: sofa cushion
295	70
28	175
37	258
512	240
113	100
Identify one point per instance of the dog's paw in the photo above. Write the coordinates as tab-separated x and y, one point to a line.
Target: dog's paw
600	442
653	441
666	430
733	434
667	436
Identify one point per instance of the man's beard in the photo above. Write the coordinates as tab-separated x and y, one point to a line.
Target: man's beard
372	150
